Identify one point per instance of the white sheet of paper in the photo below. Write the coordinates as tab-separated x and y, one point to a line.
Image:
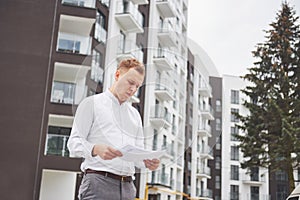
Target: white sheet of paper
135	154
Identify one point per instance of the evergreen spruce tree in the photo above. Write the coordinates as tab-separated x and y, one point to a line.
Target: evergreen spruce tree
272	128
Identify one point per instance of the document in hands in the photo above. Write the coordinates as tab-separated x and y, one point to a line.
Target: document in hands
135	154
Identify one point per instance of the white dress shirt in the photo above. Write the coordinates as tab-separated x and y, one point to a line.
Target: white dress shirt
101	119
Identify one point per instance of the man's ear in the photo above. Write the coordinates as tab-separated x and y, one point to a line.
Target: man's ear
117	75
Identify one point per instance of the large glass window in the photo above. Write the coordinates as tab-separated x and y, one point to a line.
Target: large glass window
63	92
254	174
218	105
254	193
234	130
234	172
218	182
235	97
234	153
234	118
97	69
218	124
100	32
234	192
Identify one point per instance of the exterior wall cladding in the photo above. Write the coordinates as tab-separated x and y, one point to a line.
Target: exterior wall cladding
41	57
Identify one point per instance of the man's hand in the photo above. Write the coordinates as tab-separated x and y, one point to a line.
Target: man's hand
152	164
105	152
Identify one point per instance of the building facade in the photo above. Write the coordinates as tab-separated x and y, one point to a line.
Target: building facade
238	183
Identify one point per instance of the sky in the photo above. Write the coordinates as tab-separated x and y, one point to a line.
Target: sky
229	30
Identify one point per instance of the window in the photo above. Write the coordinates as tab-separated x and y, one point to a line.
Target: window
234	131
281	176
218	105
234	96
57	139
97	70
63	92
234	118
218	124
234	172
254	193
234	192
100	32
154	145
218	182
218	162
234	153
254	174
121	44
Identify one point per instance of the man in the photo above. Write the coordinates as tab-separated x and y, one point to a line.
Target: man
104	123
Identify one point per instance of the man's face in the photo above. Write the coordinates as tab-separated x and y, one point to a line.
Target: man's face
127	83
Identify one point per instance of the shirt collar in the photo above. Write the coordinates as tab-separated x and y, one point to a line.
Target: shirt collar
113	97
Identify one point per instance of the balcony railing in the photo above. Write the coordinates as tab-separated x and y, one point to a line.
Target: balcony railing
163	179
70	43
80	3
163	59
203	170
57	145
207	111
164	90
206	152
105	2
100	33
166	34
63	92
129	49
160	117
206	193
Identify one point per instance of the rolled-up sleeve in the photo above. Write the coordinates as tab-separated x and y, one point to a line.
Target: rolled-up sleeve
78	144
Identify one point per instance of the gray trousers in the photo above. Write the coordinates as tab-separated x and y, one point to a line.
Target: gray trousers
99	187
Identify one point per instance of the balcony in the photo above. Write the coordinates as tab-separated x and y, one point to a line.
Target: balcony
163	60
253	180
160	117
80	3
203	172
59	128
163	179
170	153
81	26
129	17
206	152
207	112
204	194
74	35
166	35
69	83
204	131
164	91
205	89
129	49
166	8
140	2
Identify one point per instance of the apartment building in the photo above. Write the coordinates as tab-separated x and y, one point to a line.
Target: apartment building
67	50
165	89
198	126
238	183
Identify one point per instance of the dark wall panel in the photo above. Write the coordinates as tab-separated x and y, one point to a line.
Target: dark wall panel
25	32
